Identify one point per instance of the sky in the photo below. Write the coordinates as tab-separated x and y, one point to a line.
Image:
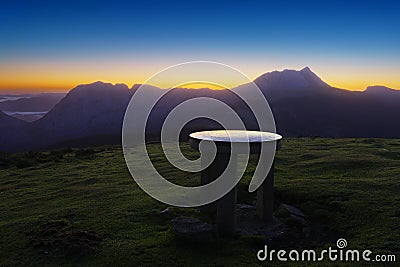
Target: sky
50	46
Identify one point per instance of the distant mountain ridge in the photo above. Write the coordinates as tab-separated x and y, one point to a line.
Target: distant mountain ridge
14	134
27	107
382	91
303	105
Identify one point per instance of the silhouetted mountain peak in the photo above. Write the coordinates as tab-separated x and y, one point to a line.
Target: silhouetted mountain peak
306	69
382	92
97	91
144	86
99	86
136	86
288	81
379	88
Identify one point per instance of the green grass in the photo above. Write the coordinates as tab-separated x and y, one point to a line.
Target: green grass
81	206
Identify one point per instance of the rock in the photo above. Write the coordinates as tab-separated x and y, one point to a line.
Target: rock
192	229
247	222
274	230
299	219
293	210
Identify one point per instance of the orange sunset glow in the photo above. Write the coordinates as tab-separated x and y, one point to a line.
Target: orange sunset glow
59	77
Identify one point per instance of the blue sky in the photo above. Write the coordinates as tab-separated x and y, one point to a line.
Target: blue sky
334	38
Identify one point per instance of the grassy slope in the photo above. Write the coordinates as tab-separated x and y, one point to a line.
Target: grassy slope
350	186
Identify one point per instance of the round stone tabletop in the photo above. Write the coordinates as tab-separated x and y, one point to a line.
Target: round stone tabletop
242	138
236	136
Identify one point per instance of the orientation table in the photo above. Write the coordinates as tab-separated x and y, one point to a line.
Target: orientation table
225	207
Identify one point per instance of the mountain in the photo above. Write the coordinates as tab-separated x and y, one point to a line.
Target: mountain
285	83
383	93
303	105
381	90
14	134
29	107
314	108
33	103
89	110
8	122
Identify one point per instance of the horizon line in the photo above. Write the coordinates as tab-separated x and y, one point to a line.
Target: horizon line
21	89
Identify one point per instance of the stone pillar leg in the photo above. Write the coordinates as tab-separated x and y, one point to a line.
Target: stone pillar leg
208	175
226	206
265	198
